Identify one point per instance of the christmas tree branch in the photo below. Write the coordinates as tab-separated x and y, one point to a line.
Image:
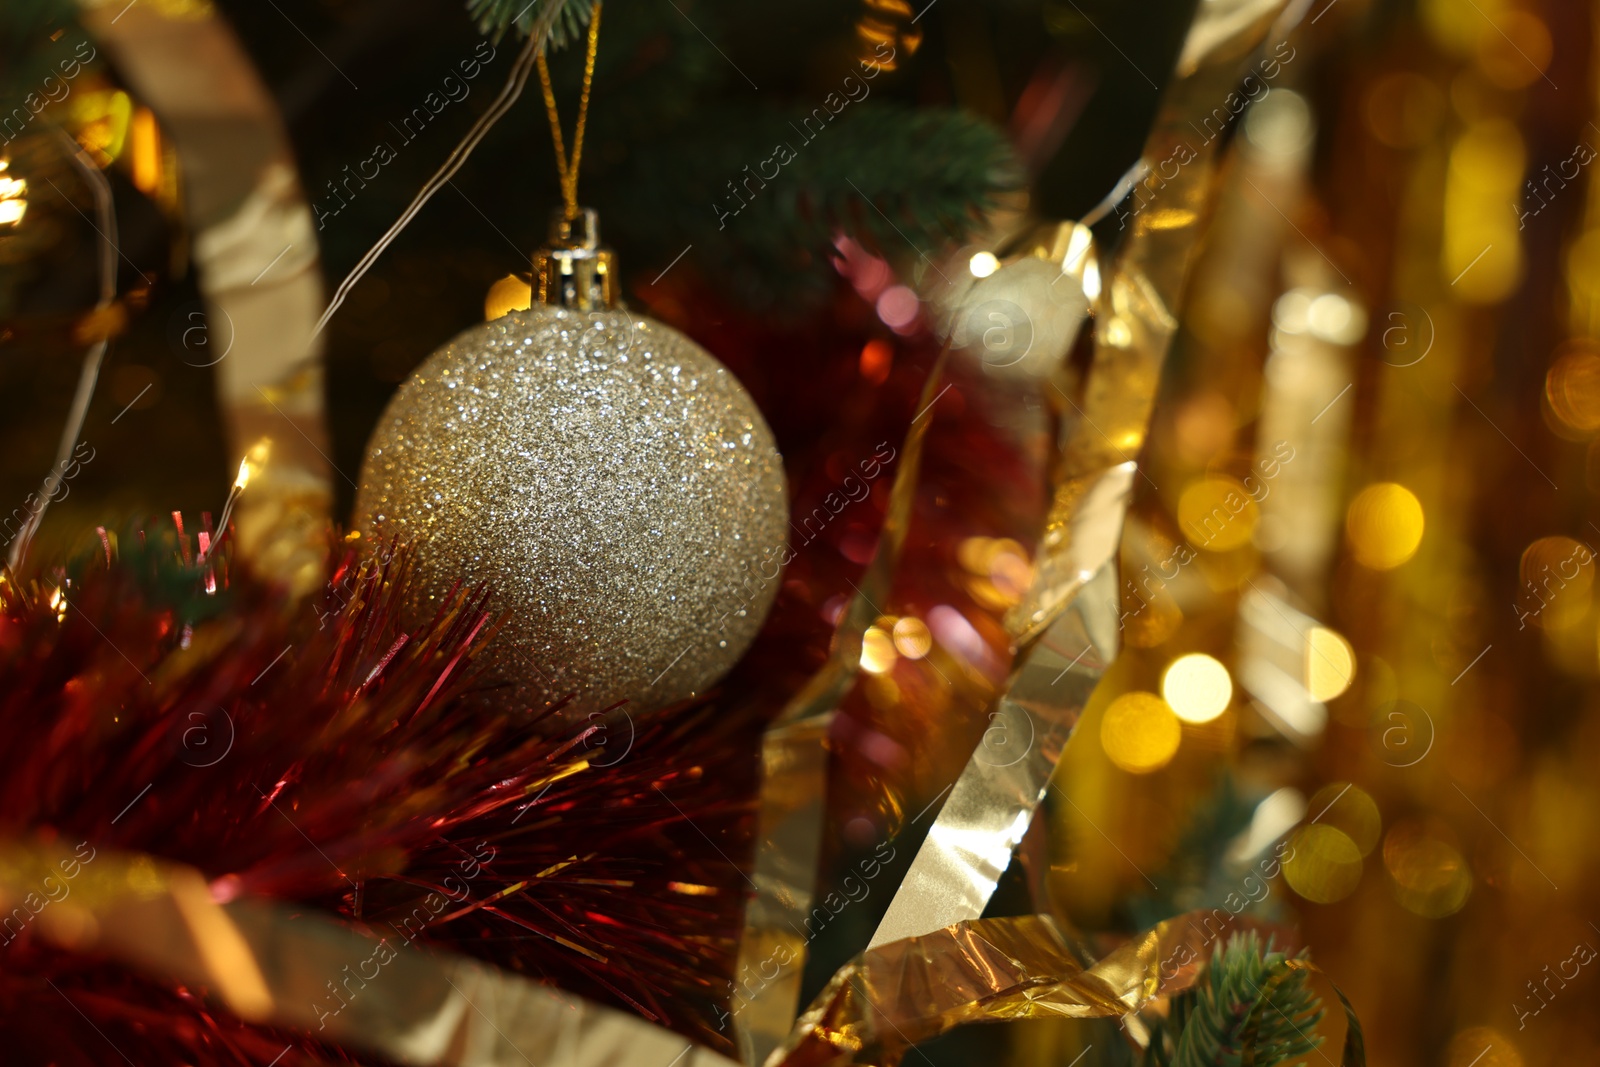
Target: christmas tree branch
1208	1024
496	17
761	194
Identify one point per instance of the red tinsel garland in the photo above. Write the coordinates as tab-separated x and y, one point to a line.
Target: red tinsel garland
343	759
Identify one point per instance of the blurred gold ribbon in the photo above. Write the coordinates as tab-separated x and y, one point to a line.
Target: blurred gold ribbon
794	782
1067	621
993	970
272	965
255	250
1066	624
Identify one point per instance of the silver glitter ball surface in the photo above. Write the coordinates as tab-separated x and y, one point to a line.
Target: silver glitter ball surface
612	482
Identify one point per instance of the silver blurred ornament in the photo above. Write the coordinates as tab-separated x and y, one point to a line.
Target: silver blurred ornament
613	483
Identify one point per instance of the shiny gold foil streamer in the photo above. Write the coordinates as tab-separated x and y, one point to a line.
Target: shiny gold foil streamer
795	777
1065	625
994	970
270	965
988	810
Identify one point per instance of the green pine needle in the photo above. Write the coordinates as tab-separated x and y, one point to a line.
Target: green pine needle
495	17
906	181
1206	1025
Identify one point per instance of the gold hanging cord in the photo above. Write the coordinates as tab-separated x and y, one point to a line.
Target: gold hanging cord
569	170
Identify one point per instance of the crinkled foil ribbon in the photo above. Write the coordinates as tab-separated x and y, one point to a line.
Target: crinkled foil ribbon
269	966
794	761
990	970
255	251
1066	625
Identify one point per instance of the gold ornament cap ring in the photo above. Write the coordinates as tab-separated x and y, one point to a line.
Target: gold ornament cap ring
573	270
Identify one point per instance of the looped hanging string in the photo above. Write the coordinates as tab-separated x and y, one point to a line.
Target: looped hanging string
568	169
89	374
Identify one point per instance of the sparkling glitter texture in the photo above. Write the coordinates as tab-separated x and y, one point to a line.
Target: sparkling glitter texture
614	484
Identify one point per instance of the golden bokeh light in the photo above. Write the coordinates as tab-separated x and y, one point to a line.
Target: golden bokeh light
1556	583
144	151
1482	253
101	117
1514	49
1152	622
1203	425
1583	264
1000	568
1337	320
1217	513
1404	109
1323	864
1091	278
511	293
1196	687
1429	874
1384	525
1482	1046
983	264
1572	388
1447	23
1140	733
13	196
877	651
911	638
1349	808
1330	664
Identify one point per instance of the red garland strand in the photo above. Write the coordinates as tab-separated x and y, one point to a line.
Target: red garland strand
346	760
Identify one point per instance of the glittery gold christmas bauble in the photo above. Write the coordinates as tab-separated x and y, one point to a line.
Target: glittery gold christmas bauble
612	482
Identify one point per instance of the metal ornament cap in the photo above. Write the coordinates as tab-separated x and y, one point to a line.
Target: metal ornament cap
573	270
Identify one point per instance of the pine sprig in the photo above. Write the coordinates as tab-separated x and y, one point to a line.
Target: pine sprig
496	17
904	180
1207	1024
